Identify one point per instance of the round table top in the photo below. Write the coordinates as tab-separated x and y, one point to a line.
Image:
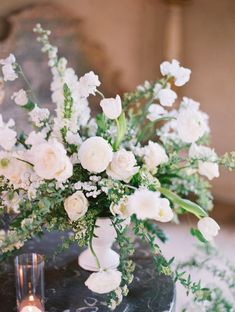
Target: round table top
64	283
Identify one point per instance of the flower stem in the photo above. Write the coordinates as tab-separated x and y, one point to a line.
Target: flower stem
92	249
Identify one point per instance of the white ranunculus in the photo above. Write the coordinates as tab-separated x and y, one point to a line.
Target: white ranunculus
155	111
104	281
7	135
154	155
95	154
143	203
50	161
20	97
87	84
112	108
167	97
208	227
207	167
123	166
8	69
76	205
165	213
190	125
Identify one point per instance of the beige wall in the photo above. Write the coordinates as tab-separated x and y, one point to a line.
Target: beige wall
132	32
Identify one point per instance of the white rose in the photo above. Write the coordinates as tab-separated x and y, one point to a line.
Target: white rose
51	162
112	108
190	125
8	69
103	282
20	97
209	167
122	166
76	206
208	227
167	97
155	111
165	213
95	154
87	84
154	155
7	135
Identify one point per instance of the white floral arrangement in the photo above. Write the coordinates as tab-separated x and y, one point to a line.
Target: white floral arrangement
137	162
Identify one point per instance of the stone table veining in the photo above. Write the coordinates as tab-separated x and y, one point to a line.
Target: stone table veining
64	283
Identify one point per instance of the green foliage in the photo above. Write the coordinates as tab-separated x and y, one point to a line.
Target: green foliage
121	130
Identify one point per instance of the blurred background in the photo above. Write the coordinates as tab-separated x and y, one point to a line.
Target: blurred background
124	42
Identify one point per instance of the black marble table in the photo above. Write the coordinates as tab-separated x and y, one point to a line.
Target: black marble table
64	283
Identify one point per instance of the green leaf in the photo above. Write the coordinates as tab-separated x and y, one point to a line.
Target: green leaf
121	130
29	106
183	203
198	235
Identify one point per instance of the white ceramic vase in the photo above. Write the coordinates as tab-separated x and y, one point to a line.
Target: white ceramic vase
102	243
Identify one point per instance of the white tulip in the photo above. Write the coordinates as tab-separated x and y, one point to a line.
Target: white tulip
122	166
76	205
95	154
208	227
167	97
191	125
165	213
104	281
154	155
20	97
50	161
112	108
8	69
155	111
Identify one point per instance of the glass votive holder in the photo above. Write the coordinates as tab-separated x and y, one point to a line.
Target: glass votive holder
29	275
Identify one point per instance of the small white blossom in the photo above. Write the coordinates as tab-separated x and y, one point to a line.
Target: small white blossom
20	97
87	84
208	227
112	108
167	97
39	116
8	69
155	111
7	135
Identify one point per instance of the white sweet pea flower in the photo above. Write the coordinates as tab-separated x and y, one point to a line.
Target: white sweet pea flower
112	108
36	138
76	205
191	125
20	97
87	84
95	154
181	74
167	97
155	111
7	135
8	68
207	167
104	281
50	161
208	227
149	205
154	155
123	166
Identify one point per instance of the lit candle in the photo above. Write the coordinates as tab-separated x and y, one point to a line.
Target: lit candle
31	304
